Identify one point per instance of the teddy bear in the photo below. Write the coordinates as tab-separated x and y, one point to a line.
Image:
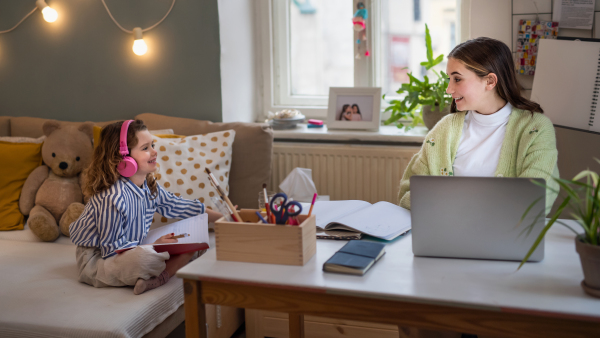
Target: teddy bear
52	194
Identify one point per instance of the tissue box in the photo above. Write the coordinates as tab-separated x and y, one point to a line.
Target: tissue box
255	242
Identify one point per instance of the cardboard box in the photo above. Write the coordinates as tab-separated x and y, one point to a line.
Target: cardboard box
255	242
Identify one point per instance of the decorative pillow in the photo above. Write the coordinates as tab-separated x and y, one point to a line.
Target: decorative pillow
98	129
181	163
19	158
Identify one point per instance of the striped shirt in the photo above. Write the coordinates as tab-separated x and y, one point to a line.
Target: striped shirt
120	217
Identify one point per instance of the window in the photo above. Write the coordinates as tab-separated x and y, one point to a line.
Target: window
312	46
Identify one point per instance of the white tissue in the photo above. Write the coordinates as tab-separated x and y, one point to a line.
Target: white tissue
299	185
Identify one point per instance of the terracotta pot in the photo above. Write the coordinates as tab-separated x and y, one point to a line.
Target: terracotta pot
431	117
590	263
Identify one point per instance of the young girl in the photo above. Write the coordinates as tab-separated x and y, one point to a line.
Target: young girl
493	130
119	214
346	114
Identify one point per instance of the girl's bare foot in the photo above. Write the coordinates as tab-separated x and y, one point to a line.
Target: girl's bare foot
142	285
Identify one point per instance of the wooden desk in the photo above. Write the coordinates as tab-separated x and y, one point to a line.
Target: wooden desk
471	296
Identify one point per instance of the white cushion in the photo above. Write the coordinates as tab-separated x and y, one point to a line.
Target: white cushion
182	161
41	297
26	235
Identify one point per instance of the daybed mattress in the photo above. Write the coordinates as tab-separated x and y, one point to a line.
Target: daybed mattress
41	297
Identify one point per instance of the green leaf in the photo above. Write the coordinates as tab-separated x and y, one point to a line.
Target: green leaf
428	45
544	231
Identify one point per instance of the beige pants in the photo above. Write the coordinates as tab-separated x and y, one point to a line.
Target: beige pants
121	269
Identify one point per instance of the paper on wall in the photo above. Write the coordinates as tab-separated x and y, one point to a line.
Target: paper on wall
578	14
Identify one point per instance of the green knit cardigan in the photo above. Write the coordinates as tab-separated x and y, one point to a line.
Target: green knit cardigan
528	150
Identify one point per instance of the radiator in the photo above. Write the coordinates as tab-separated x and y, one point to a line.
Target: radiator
368	173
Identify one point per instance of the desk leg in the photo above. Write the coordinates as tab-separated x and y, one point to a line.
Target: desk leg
296	325
195	310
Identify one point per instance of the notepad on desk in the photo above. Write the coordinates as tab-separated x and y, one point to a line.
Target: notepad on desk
196	227
382	220
355	258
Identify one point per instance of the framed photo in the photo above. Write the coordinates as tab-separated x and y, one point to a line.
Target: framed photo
354	108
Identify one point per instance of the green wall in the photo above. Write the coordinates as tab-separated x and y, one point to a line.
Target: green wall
82	67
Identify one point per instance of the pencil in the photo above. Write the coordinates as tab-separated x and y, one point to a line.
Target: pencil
312	204
181	236
221	193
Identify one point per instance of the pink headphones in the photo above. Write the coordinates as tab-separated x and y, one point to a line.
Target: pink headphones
128	167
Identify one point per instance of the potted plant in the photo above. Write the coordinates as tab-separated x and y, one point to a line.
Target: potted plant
424	101
587	213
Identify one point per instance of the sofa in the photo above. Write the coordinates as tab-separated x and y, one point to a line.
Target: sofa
39	292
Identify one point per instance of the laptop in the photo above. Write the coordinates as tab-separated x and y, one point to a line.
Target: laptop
476	217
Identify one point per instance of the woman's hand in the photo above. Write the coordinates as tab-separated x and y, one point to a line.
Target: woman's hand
168	238
213	216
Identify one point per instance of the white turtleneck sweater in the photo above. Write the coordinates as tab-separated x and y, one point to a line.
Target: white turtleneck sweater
479	148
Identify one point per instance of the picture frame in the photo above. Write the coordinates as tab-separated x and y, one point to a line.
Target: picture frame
354	108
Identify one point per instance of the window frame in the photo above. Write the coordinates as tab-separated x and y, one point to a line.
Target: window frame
273	16
274	73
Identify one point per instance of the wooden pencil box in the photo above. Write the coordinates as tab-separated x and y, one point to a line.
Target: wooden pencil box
255	242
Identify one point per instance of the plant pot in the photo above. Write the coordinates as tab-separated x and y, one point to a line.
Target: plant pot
432	116
590	263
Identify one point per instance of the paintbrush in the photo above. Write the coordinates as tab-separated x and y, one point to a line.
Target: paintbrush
221	193
266	201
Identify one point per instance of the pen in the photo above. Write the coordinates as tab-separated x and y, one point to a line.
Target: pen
261	218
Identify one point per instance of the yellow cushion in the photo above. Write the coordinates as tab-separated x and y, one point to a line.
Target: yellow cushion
169	136
97	131
18	161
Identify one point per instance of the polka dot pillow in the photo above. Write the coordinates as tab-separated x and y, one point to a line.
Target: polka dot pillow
181	163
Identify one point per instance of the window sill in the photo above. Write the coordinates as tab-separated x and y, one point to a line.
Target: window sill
385	135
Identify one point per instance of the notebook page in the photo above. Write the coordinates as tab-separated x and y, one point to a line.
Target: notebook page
564	81
383	220
328	211
196	226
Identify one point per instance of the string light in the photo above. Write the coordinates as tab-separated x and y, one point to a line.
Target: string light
139	46
50	15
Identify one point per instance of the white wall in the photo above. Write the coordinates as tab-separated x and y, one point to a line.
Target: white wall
238	60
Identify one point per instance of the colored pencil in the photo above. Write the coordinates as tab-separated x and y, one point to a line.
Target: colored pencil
261	218
312	204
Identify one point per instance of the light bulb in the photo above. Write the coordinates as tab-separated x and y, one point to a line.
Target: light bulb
139	46
50	15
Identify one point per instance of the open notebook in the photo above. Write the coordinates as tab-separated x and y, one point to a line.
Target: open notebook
567	82
382	220
196	227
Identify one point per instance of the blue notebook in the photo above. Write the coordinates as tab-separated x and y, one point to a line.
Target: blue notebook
355	258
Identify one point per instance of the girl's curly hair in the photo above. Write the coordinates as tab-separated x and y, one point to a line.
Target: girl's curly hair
102	172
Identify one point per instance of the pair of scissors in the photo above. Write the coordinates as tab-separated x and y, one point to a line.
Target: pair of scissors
283	214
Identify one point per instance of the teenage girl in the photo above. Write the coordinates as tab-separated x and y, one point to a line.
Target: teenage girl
120	210
492	130
356	115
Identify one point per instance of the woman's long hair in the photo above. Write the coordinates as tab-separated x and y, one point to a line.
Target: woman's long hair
357	109
102	172
484	56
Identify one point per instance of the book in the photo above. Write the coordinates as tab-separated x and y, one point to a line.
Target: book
355	258
567	83
196	227
382	220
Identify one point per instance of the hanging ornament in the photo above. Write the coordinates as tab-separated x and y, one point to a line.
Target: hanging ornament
359	23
